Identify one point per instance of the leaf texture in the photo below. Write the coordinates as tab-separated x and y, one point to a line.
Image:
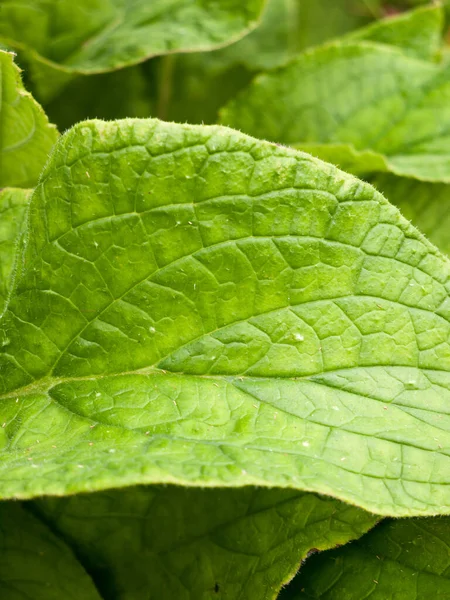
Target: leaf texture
13	203
199	307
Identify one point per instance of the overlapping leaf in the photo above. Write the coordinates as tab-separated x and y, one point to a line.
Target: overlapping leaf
189	544
199	307
366	106
407	559
61	38
26	136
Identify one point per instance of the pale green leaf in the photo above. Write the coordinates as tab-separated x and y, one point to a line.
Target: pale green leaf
35	564
167	543
13	203
199	307
26	136
89	36
368	97
427	205
407	559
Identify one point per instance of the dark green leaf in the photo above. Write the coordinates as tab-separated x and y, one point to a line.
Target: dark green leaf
166	543
35	564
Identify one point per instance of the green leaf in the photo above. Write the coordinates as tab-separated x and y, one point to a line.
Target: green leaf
185	543
36	564
96	36
199	307
399	560
418	33
26	135
365	97
13	203
427	205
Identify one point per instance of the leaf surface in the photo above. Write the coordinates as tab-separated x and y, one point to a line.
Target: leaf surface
197	544
36	564
13	203
102	35
199	307
408	559
359	98
26	136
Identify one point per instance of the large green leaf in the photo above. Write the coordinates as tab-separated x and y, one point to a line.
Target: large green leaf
93	36
166	543
35	564
407	559
26	136
13	204
364	105
427	205
196	306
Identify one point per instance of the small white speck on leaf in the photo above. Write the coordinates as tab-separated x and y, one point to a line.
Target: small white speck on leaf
298	337
305	443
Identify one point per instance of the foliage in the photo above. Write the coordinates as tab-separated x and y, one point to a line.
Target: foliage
221	358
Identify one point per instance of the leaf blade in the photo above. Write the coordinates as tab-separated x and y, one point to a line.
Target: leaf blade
175	308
